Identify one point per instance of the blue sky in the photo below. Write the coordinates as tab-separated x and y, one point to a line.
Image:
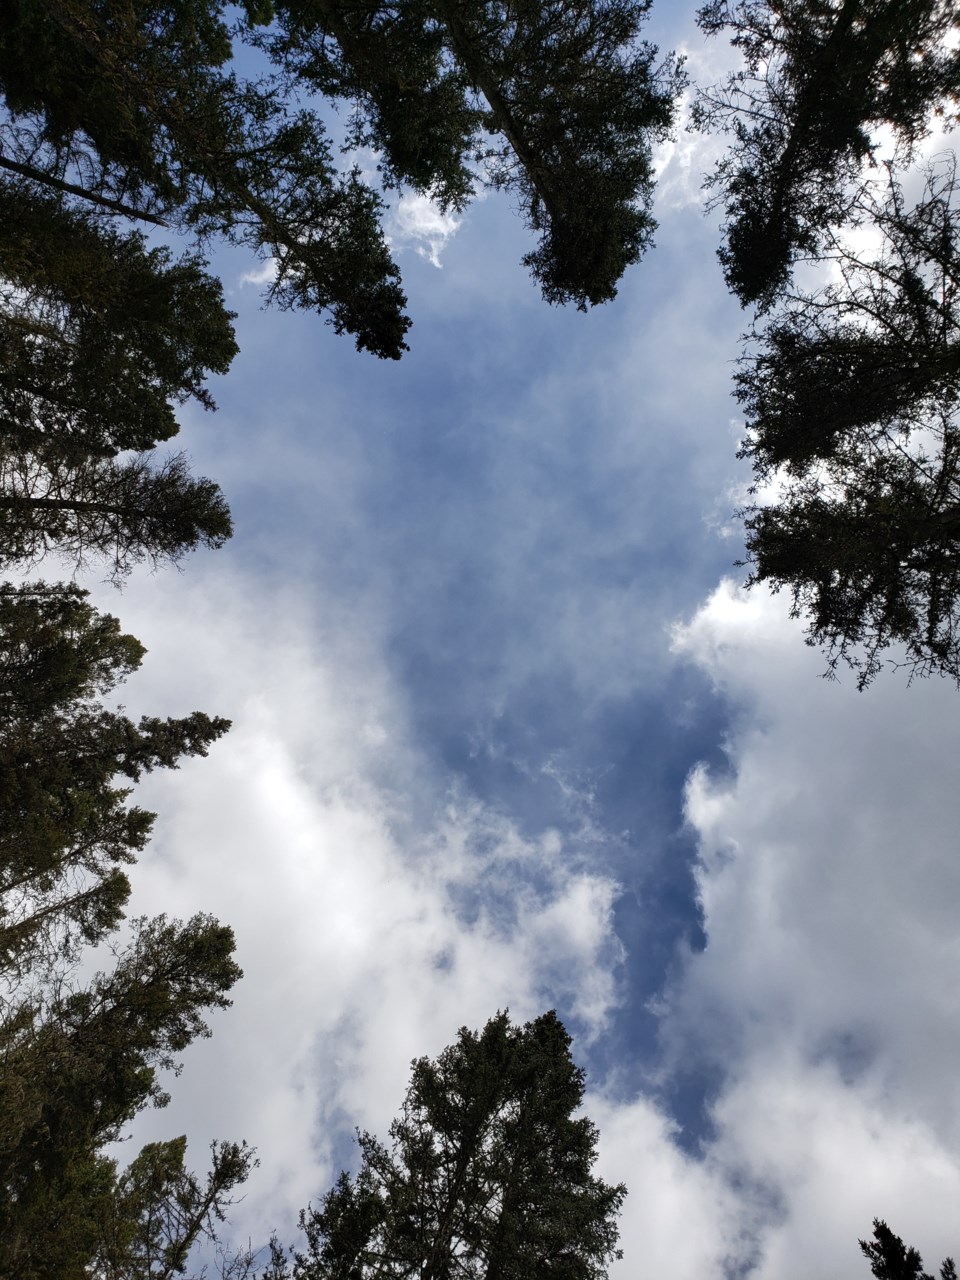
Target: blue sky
507	733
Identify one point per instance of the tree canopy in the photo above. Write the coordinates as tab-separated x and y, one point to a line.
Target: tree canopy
66	830
851	403
118	511
891	1259
101	337
558	99
136	110
133	109
487	1173
79	1059
818	82
849	389
77	1064
121	116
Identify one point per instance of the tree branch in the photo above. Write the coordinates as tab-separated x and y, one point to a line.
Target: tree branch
105	202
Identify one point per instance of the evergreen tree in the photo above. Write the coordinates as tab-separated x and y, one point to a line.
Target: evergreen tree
134	110
66	830
487	1174
100	337
157	1210
90	508
569	97
79	1060
819	79
851	409
890	1259
76	1065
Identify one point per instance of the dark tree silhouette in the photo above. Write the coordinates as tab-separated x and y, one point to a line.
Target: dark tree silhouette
487	1174
851	404
819	78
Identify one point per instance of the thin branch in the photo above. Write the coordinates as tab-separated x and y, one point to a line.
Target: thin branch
59	184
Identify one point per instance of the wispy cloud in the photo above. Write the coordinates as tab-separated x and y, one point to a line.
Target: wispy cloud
417	222
262	274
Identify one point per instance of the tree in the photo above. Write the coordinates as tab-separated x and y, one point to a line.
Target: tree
100	337
79	1060
133	109
487	1174
157	1210
572	97
818	81
66	830
130	108
851	405
75	1066
89	508
890	1259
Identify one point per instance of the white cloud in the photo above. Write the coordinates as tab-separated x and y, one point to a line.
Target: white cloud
680	1218
265	273
832	1155
419	223
829	882
369	927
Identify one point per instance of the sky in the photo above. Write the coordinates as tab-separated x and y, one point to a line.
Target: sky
509	733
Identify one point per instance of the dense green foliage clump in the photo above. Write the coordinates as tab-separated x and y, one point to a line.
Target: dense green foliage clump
851	401
819	81
136	110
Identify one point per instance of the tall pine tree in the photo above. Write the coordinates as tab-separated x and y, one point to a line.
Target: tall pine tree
819	80
487	1173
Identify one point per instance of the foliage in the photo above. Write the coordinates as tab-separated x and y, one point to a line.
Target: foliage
100	337
90	508
851	406
487	1173
66	830
132	108
79	1060
158	1210
890	1259
135	110
818	81
568	95
76	1064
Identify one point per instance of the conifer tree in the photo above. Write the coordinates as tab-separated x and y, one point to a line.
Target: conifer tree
136	111
487	1173
76	1065
890	1259
819	80
559	98
66	765
90	509
851	403
101	338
